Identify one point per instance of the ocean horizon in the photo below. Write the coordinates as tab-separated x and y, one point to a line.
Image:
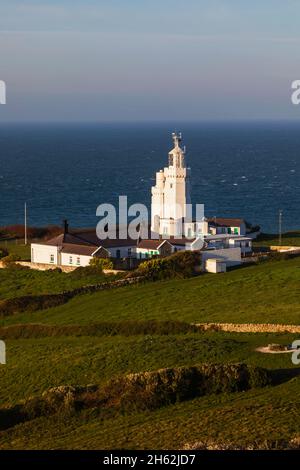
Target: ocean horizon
247	169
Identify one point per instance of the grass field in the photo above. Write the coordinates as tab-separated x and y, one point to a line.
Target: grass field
288	239
264	293
43	363
267	292
17	282
17	247
261	414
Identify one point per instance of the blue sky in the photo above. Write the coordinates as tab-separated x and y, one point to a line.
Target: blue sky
113	60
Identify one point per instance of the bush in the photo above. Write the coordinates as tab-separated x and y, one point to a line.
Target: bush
279	256
151	390
139	392
179	265
106	328
101	263
276	347
12	258
3	253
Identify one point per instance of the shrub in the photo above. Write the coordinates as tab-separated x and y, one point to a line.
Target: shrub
11	258
151	390
276	347
140	391
179	265
3	253
106	328
101	263
279	256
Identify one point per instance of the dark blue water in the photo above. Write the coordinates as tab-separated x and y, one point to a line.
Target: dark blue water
248	170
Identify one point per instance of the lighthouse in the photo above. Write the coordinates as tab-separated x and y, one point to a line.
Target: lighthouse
170	200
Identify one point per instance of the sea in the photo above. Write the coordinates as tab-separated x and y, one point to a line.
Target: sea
64	171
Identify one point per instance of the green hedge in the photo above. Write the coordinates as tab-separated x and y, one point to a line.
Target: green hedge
182	264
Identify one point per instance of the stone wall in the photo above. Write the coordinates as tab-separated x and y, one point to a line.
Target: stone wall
32	303
284	249
46	267
249	327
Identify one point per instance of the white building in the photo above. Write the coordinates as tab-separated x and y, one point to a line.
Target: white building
217	238
79	248
215	265
230	256
224	241
171	194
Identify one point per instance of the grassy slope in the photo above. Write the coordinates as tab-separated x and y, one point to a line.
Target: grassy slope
34	365
16	282
244	417
269	292
288	239
17	247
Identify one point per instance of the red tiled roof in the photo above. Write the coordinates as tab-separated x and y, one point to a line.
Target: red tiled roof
181	241
73	249
226	222
88	239
150	244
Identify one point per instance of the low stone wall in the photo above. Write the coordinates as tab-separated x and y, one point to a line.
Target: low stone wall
47	267
249	327
32	303
285	249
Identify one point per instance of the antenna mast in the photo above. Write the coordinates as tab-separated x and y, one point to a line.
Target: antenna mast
25	224
280	226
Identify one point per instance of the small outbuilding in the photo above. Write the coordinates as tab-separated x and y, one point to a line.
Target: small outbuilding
214	265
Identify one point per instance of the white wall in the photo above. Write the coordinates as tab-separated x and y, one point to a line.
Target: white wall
42	253
235	243
83	260
214	266
123	251
232	256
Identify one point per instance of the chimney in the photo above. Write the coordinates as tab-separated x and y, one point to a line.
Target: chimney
66	227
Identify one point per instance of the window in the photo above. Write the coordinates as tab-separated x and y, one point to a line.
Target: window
229	230
51	259
129	251
236	231
118	253
71	260
78	261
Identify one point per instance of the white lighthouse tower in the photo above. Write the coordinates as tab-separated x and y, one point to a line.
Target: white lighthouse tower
170	195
